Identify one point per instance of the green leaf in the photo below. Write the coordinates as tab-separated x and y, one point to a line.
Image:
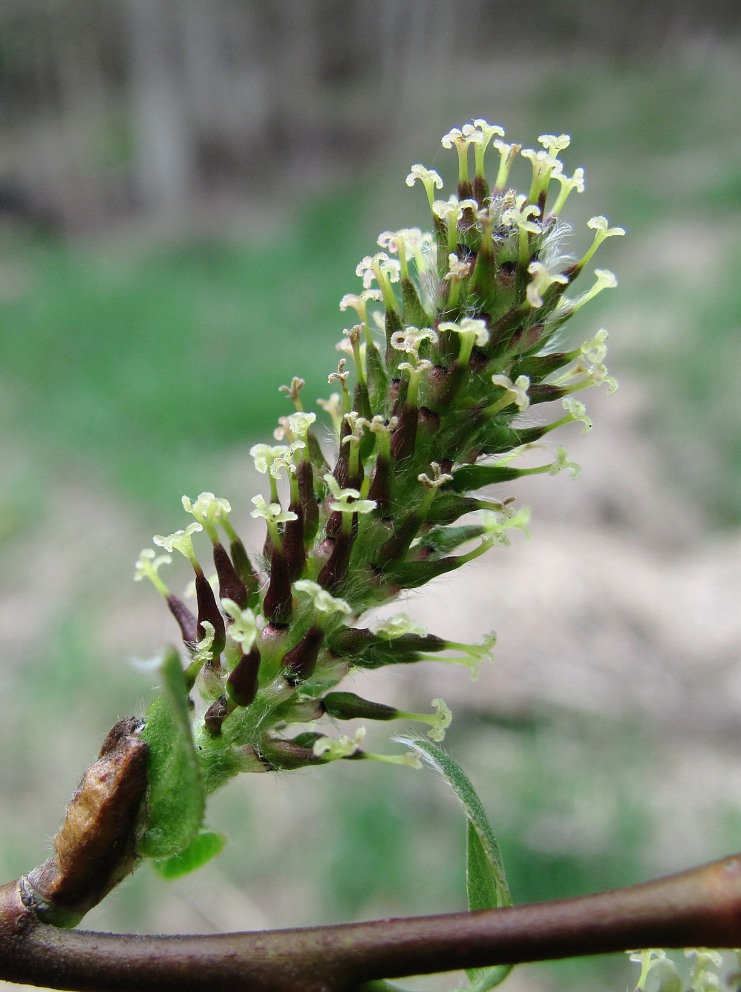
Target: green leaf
481	883
485	979
177	799
206	846
486	882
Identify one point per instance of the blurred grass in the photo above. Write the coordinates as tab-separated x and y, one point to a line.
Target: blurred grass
142	367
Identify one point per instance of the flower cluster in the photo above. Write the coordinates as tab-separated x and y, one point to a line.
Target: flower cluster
708	971
454	346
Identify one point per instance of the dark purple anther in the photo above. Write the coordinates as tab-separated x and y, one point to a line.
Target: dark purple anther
209	611
230	584
186	621
277	603
299	663
242	683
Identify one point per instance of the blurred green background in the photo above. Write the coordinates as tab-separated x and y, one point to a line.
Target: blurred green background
185	189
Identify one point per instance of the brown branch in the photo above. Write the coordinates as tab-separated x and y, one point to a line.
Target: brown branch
698	908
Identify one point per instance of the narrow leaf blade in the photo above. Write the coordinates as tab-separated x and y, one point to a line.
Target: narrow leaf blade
486	882
481	883
205	847
176	799
483	893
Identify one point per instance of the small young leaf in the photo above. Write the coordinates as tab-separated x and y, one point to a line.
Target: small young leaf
206	846
486	883
176	800
483	893
481	883
485	979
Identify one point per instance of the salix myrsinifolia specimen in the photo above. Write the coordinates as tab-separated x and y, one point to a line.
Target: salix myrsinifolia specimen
458	339
427	414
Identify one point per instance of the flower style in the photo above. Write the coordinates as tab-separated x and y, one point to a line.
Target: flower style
455	138
595	349
487	132
469	327
148	565
378	267
275	458
347	500
437	479
294	390
561	463
507	155
458	268
209	511
398	625
430	179
272	512
514	392
243	626
410	339
321	599
604	279
568	185
519	214
577	413
333	408
180	540
295	428
541	282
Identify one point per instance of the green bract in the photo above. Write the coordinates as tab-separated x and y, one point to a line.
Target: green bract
456	347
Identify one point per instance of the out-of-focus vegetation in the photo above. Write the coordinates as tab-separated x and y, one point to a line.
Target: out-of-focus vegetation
146	364
146	327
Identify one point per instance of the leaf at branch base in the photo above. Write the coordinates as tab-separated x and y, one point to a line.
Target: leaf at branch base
483	893
486	882
206	846
176	799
